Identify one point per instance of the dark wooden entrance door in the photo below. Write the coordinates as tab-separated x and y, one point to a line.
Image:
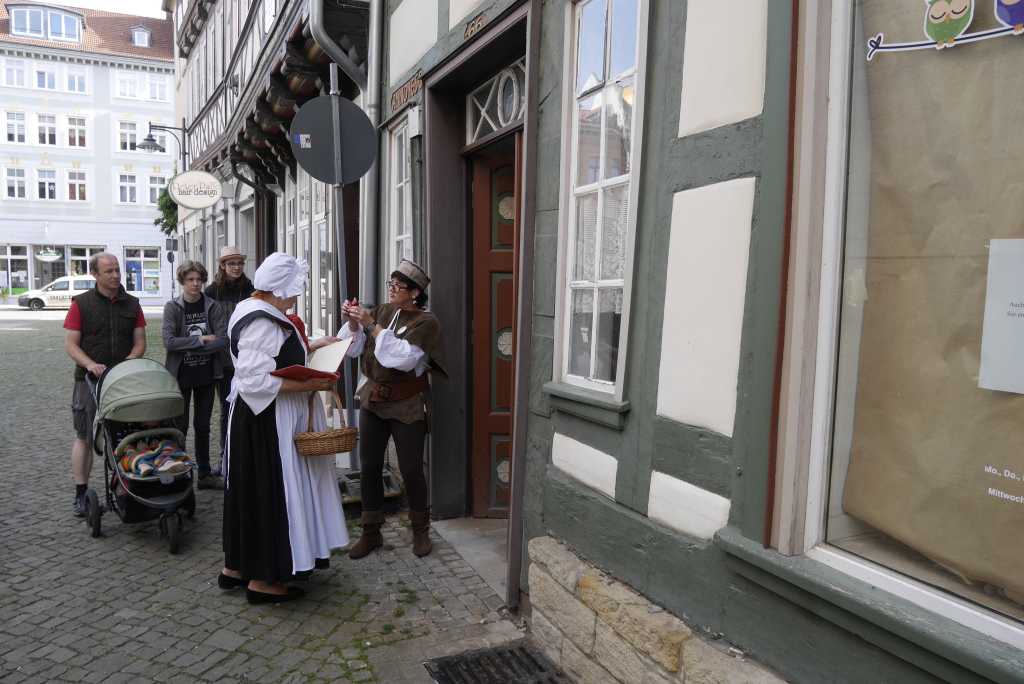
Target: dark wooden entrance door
495	231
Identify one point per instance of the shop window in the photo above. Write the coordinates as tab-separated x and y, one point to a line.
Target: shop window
15	183
14	268
47	182
76	186
156	184
16	127
46	78
127	192
79	260
142	270
399	208
48	265
598	214
128	136
47	127
76	131
14	73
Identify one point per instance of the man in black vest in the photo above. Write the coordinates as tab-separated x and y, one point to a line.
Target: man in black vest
105	326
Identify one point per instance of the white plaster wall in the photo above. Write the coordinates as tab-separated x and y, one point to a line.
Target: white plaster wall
705	289
459	10
593	468
412	32
723	63
685	507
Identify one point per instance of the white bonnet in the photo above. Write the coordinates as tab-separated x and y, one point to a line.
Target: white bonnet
281	274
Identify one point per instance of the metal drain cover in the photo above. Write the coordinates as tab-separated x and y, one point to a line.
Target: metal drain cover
513	663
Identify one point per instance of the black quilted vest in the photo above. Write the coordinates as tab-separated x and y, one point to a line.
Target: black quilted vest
108	327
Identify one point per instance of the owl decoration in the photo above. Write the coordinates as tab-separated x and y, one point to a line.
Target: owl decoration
1011	14
947	20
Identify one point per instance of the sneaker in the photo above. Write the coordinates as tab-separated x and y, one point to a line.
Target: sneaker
79	507
210	481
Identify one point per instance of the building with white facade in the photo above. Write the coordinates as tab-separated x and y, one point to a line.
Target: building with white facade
78	89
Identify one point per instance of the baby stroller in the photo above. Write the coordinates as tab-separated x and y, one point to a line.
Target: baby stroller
136	402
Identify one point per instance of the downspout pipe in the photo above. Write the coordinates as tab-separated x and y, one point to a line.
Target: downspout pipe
369	211
318	29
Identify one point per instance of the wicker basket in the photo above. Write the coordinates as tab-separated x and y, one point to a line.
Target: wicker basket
328	442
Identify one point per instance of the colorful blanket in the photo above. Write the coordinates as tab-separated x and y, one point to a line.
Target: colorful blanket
153	457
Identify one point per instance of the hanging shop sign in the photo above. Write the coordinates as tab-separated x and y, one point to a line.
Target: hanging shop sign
312	136
195	189
47	255
946	24
406	92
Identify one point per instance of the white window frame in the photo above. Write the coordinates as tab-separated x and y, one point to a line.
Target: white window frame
155	188
130	143
140	37
81	185
28	11
66	20
77	80
49	191
806	422
73	258
157	88
46	131
127	85
78	132
142	269
398	135
20	126
49	74
15	71
567	204
127	188
20	183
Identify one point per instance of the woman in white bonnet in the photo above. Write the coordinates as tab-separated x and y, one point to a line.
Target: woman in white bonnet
282	512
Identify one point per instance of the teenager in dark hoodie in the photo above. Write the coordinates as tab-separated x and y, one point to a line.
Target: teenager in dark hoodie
229	287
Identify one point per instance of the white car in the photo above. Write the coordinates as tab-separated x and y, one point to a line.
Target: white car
58	294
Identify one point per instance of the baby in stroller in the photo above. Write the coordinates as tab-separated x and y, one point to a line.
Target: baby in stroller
148	448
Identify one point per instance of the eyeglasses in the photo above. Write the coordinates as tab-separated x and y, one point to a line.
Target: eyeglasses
238	264
396	286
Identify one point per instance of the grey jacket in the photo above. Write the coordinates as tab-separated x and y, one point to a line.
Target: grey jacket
178	342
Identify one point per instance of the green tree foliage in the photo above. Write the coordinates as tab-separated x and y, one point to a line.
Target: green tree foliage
168	219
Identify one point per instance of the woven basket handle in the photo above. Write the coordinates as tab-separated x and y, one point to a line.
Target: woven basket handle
309	413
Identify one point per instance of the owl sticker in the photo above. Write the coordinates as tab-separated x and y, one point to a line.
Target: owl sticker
947	20
1011	14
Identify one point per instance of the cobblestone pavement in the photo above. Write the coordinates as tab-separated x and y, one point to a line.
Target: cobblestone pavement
122	609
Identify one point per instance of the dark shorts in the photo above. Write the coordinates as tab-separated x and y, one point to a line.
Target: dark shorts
83	408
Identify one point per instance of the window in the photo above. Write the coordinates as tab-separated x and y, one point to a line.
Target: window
269	12
76	131
158	88
27	22
46	78
47	129
14	73
127	190
304	208
15	183
498	104
598	212
76	80
76	186
156	184
127	86
400	240
16	127
14	263
142	270
47	181
63	26
140	37
80	263
128	136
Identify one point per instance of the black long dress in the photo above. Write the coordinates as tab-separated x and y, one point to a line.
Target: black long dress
255	536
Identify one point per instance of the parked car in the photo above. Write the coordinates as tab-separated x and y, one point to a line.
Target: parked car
58	294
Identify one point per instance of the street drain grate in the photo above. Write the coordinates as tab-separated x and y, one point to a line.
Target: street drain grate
513	663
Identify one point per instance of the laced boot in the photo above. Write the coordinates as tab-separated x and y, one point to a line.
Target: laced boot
371	537
421	544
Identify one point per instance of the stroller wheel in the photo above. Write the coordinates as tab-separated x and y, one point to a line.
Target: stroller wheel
190	505
173	522
93	512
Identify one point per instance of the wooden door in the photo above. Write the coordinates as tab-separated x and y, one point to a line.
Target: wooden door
495	231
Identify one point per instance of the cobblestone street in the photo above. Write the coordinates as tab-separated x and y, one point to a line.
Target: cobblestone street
122	609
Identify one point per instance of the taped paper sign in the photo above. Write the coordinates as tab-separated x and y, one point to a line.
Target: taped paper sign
1002	336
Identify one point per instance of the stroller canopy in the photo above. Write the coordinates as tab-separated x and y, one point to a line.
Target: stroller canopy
138	390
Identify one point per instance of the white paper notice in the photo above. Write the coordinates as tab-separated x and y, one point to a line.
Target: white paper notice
1002	337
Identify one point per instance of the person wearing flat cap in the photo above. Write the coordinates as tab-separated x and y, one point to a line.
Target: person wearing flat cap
399	342
229	287
282	512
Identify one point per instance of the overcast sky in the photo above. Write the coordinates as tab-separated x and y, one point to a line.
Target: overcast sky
145	8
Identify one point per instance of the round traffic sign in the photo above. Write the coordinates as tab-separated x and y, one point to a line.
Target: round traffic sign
312	137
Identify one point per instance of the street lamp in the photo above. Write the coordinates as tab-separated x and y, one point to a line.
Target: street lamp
149	143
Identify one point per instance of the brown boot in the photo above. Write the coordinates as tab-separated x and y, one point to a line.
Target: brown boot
371	537
421	544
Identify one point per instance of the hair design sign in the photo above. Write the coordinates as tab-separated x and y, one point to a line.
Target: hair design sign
195	189
947	24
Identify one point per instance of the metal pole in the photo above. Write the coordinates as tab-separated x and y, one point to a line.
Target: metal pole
338	216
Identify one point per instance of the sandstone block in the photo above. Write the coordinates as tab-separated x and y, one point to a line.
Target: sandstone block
546	636
645	626
620	659
705	664
581	668
560	563
573	619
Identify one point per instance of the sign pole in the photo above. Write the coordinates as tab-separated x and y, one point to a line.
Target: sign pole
338	216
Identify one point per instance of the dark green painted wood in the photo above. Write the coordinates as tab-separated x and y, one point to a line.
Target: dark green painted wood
596	407
700	457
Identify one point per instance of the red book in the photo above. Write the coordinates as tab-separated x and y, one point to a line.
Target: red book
301	373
